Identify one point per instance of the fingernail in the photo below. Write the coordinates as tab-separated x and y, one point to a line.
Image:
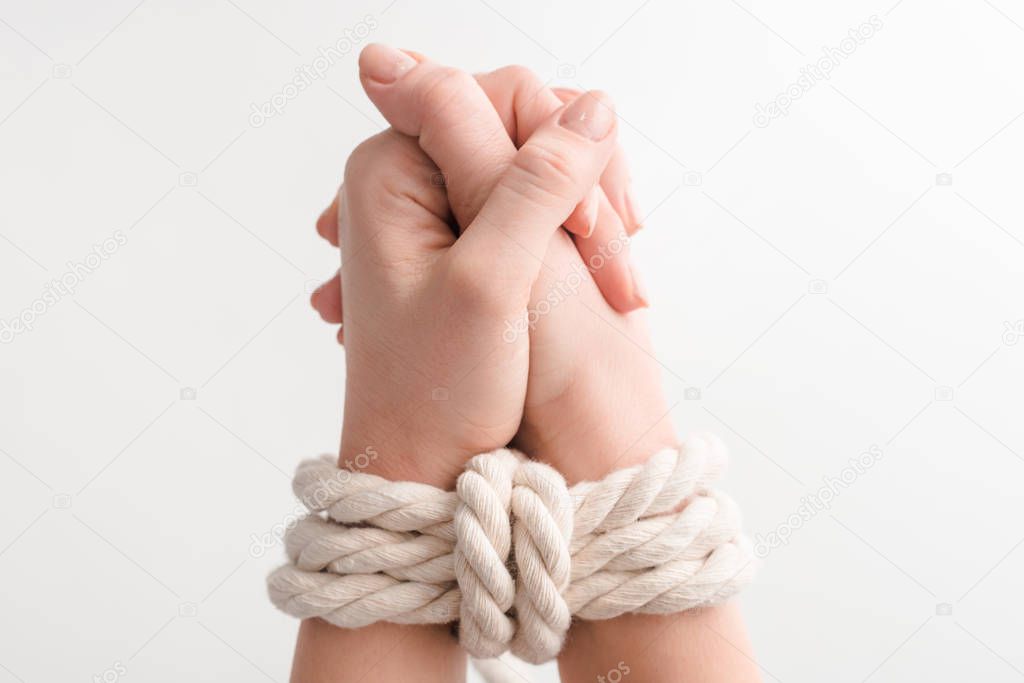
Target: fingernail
590	208
633	208
383	63
639	291
590	115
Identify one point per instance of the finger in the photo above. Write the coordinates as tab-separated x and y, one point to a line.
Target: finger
524	102
451	116
606	255
586	212
530	102
615	180
456	125
549	176
326	299
460	131
619	187
327	223
390	206
565	94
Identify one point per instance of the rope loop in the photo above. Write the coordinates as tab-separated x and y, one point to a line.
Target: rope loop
514	553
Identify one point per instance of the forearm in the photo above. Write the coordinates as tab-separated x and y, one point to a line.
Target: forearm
380	652
707	644
383	651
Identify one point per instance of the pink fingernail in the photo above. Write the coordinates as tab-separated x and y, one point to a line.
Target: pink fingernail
639	291
633	208
591	206
590	115
383	63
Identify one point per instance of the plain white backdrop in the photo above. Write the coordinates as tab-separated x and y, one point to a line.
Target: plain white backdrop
845	276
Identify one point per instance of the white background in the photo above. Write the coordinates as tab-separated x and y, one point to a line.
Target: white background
811	278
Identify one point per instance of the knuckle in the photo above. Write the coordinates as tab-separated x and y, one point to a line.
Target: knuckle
375	160
441	93
389	174
543	173
519	74
364	158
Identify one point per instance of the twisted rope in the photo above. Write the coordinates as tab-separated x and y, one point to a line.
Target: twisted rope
483	541
513	553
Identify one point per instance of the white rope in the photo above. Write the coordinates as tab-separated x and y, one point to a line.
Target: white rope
513	553
483	540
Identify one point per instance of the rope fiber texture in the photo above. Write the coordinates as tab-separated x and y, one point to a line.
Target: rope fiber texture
513	553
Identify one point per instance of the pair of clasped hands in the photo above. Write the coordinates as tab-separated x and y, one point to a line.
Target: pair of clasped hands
487	298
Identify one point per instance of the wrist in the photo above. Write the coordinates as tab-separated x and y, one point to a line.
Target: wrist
415	431
399	456
376	439
705	644
585	435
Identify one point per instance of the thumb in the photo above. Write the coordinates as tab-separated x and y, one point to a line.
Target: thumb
549	176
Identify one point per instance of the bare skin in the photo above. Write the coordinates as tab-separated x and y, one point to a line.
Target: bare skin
579	389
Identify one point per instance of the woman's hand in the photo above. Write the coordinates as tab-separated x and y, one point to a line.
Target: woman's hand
593	401
431	377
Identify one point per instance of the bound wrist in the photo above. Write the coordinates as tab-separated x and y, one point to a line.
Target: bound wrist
586	436
400	459
398	453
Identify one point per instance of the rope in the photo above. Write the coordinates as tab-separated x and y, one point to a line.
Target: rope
513	553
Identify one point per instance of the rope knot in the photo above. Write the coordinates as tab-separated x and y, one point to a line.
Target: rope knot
512	508
483	539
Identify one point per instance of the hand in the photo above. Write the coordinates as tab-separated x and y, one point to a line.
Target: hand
428	372
593	400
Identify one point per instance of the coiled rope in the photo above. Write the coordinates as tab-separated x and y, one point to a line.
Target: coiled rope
513	553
